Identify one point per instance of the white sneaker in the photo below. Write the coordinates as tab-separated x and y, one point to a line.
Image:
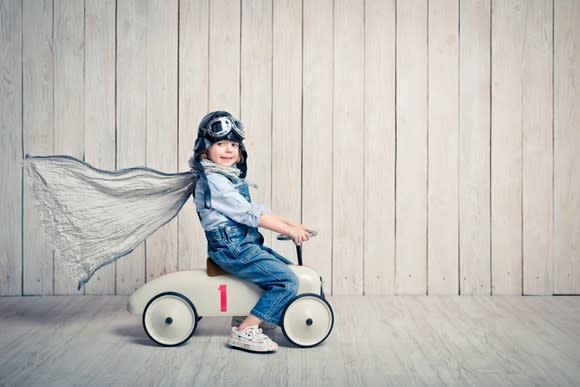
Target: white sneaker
251	339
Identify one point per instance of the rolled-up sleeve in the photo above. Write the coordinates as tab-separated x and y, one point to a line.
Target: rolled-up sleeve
228	201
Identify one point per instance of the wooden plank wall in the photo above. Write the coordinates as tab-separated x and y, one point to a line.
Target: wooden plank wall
433	144
566	242
443	136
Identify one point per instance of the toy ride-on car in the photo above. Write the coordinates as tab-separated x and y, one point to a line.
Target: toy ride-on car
173	304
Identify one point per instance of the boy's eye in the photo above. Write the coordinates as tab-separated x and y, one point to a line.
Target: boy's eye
223	143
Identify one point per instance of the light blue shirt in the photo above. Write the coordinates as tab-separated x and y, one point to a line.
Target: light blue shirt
227	203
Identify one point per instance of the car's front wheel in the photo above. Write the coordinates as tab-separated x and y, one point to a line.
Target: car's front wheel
307	320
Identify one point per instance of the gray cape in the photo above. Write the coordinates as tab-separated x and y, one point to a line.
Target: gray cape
94	217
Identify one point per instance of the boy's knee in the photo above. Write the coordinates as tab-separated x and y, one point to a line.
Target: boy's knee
292	284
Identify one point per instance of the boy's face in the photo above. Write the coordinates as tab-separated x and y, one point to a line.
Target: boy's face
225	153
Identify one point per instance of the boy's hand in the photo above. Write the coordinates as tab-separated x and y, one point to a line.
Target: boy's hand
300	234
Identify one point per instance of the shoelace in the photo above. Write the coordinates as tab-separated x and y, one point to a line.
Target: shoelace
256	333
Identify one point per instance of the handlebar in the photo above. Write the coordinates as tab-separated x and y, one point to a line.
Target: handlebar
281	237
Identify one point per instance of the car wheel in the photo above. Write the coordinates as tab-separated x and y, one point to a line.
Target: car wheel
307	320
170	319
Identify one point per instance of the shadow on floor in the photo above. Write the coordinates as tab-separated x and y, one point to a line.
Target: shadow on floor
136	334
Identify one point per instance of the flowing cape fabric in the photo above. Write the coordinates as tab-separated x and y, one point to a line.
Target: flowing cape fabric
94	217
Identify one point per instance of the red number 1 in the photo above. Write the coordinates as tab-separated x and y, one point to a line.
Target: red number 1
223	288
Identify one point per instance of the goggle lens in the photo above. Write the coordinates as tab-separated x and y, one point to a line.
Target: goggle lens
221	126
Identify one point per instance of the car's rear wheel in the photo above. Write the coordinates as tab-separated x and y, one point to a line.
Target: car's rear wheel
170	319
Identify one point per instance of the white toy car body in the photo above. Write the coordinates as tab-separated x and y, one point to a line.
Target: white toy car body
173	304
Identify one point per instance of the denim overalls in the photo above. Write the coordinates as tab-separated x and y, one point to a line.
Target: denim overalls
238	249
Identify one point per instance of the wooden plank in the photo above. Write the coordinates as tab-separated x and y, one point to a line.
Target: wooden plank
506	144
11	147
69	43
411	174
224	56
537	148
162	33
287	116
193	105
474	150
69	62
317	115
566	140
37	133
443	113
256	98
131	117
380	148
348	148
99	105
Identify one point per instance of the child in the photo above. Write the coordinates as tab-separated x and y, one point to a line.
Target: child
94	217
231	222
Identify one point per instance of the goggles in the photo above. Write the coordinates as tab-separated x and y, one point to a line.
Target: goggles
222	126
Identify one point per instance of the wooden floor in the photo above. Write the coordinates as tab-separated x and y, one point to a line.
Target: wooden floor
376	341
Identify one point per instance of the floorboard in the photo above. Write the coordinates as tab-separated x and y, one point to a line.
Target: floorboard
376	341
